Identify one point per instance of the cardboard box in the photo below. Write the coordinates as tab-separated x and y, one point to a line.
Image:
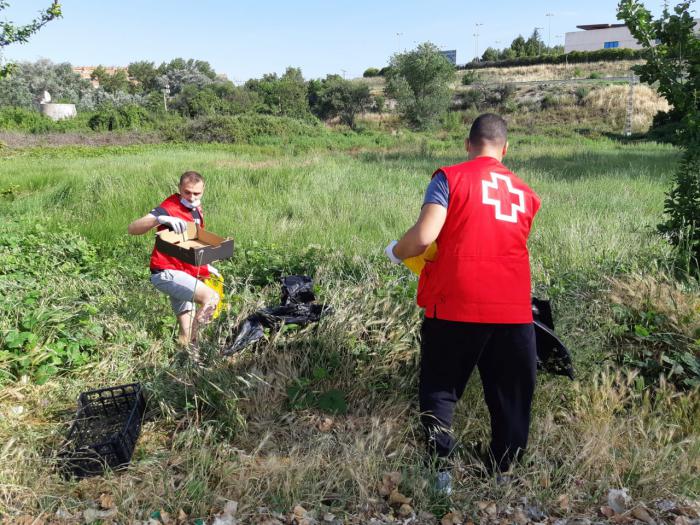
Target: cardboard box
196	246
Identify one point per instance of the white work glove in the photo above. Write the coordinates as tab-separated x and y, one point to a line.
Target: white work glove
213	270
389	251
174	223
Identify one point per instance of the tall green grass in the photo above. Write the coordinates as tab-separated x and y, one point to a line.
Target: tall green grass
598	201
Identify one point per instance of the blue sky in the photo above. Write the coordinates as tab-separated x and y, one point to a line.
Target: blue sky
246	39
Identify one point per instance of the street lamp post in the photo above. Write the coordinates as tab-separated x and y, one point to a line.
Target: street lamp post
549	30
539	40
166	92
566	58
477	25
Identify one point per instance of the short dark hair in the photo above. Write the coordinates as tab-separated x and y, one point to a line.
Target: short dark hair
488	127
190	176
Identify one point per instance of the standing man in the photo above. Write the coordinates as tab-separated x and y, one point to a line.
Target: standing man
476	295
181	281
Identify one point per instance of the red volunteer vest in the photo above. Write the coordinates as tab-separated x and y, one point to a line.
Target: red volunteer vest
160	261
482	270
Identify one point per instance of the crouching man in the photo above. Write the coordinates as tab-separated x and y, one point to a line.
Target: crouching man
180	281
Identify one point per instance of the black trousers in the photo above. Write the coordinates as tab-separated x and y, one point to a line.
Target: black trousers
506	357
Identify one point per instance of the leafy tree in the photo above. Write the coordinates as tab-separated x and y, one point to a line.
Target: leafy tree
672	52
94	99
507	54
518	46
201	66
534	44
419	81
371	72
110	82
29	80
145	75
11	34
193	101
556	50
177	79
235	99
286	95
490	55
342	98
179	73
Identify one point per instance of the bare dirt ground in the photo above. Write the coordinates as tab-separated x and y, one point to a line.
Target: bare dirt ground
27	140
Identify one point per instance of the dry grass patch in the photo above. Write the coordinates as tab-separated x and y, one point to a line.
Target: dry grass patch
677	304
553	71
612	100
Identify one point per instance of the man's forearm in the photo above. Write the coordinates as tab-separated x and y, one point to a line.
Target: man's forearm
421	235
142	225
411	244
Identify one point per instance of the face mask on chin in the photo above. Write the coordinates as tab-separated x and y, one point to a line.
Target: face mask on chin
190	204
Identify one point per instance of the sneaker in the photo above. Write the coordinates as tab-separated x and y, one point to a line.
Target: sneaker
443	483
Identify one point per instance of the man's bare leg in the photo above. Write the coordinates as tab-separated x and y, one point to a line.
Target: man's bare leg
187	328
189	323
207	299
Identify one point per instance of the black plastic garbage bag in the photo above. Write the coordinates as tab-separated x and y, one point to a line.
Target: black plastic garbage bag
297	289
297	308
552	355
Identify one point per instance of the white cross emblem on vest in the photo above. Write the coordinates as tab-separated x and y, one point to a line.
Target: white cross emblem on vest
504	197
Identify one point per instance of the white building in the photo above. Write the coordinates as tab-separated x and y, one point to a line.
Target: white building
600	36
603	36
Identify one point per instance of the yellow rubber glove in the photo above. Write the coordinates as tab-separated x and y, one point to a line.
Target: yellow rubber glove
416	264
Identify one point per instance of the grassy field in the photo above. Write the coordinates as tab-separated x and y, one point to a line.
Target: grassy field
248	429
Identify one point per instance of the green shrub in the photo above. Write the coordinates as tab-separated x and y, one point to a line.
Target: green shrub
469	78
379	104
656	325
667	126
550	101
453	121
472	99
371	72
109	118
50	313
595	75
243	128
27	120
498	96
577	72
682	207
581	93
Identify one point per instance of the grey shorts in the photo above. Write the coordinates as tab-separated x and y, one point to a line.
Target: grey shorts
179	286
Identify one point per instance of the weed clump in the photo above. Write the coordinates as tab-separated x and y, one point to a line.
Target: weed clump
657	328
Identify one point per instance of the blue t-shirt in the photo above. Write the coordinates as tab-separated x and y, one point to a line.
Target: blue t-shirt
438	191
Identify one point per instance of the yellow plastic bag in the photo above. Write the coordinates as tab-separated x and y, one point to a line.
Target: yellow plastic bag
216	283
415	264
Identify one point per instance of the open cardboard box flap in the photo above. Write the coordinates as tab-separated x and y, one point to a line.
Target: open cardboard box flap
195	246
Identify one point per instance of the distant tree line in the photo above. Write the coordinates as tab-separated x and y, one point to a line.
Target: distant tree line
190	88
418	81
574	57
529	52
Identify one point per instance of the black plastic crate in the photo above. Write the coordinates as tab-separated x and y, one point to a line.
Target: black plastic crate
105	431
